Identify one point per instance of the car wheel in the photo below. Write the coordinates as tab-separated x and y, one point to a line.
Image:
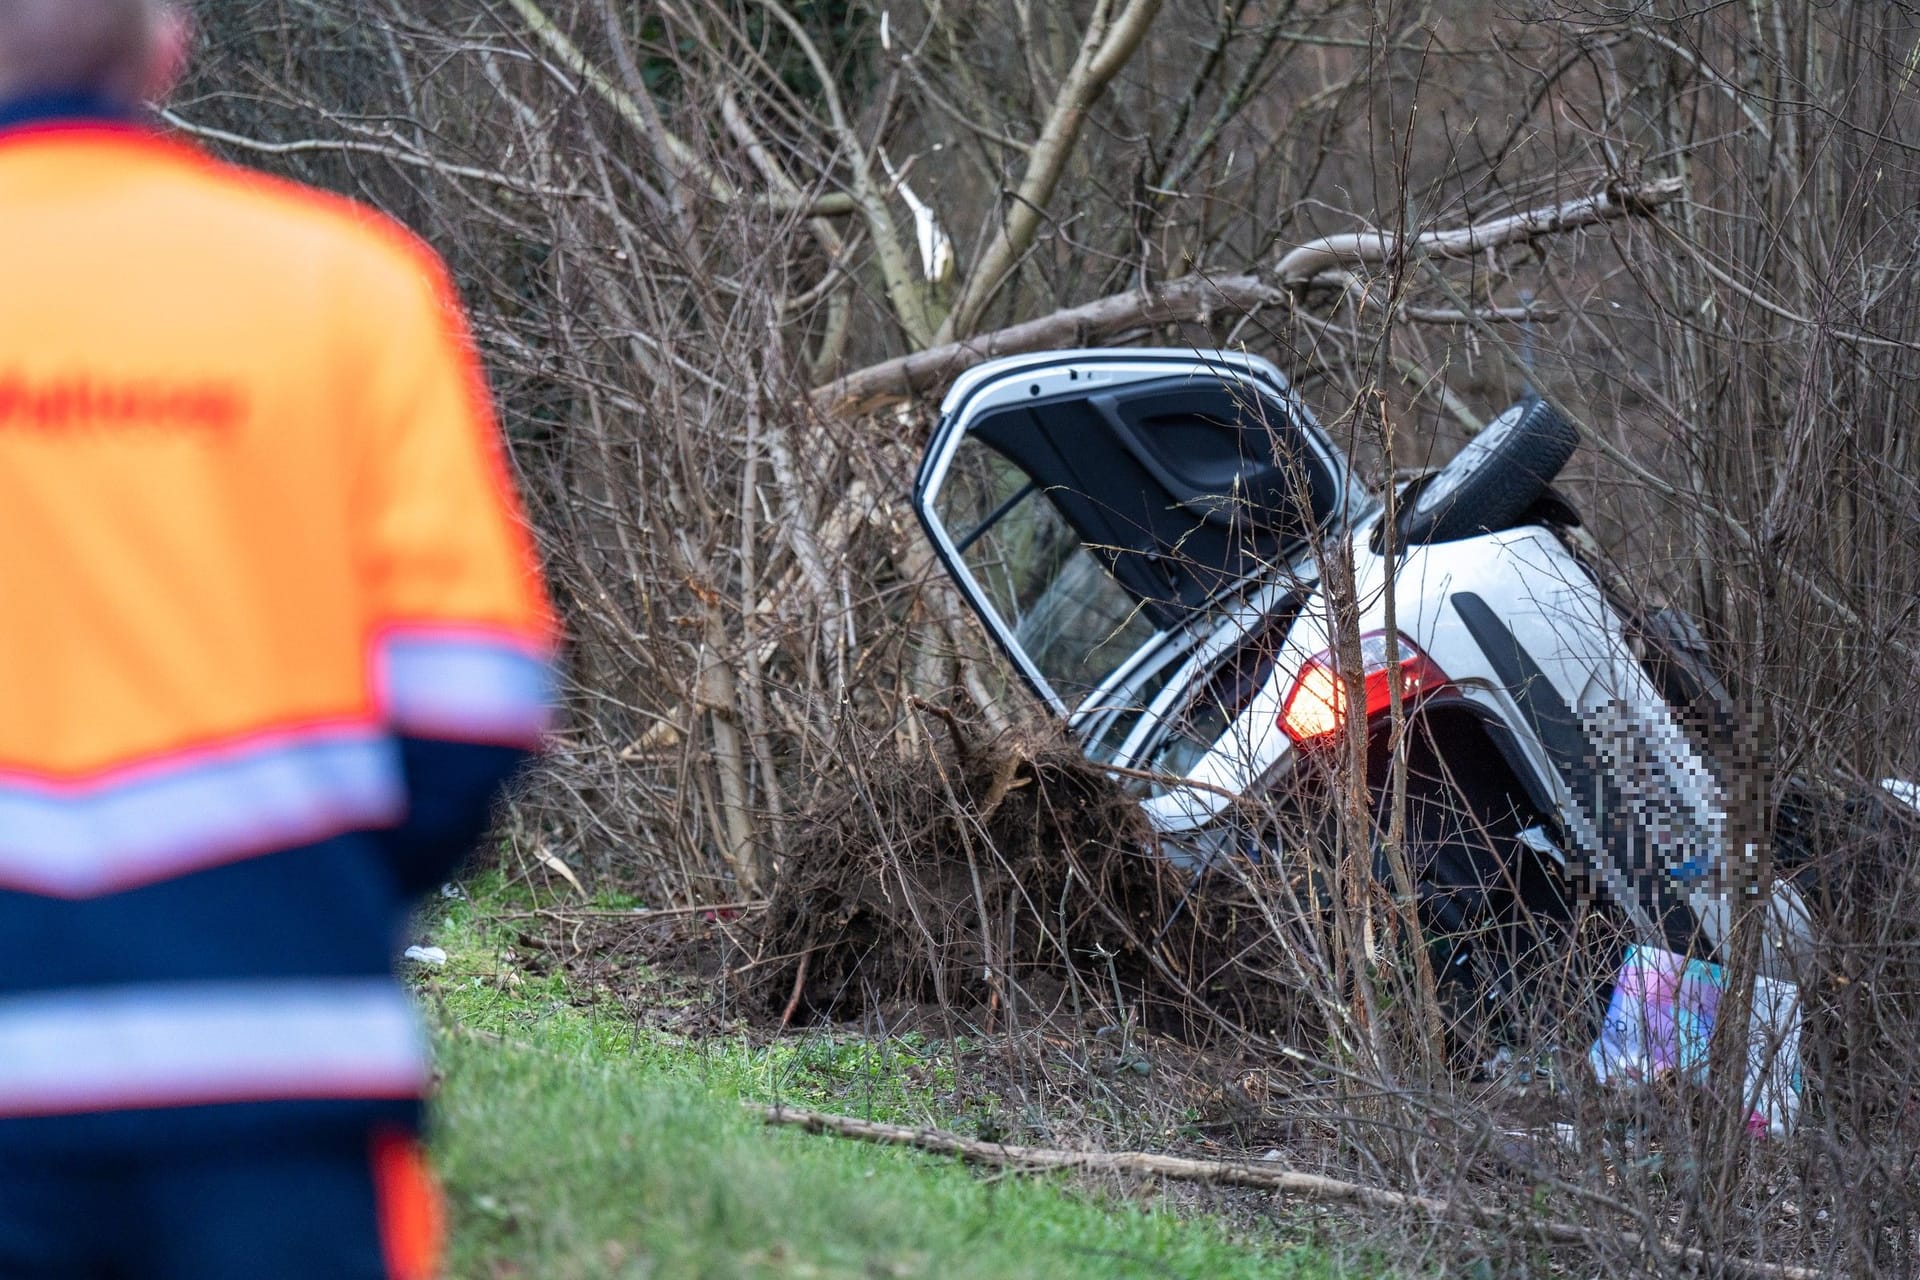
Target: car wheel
1491	484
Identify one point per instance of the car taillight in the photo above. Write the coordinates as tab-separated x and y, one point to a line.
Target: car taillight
1316	706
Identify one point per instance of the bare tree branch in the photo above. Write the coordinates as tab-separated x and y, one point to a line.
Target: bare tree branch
1197	296
905	289
907	377
1104	50
1299	266
645	120
1492	315
386	151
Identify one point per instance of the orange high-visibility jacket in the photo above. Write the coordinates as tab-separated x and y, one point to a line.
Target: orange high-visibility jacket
256	542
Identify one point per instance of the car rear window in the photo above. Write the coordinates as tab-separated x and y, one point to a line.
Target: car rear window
1074	622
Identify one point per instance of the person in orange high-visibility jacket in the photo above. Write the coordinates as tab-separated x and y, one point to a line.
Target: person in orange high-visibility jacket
272	638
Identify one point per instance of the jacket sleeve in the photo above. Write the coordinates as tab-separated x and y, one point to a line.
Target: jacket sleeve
460	632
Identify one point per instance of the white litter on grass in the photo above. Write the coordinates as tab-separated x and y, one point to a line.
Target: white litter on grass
435	956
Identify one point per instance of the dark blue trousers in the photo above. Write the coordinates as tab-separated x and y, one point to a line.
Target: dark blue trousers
310	1211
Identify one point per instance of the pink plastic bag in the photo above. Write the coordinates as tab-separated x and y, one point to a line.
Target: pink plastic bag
1661	1020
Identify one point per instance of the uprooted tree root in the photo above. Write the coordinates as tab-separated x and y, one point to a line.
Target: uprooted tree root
1008	875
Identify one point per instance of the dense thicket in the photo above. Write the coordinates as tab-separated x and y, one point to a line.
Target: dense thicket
686	228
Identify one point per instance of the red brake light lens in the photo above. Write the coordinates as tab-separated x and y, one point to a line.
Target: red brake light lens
1316	706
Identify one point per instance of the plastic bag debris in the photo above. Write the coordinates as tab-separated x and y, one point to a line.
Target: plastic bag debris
1661	1020
435	956
1907	793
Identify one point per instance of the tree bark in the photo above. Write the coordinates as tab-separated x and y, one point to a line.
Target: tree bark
1196	296
912	376
1299	266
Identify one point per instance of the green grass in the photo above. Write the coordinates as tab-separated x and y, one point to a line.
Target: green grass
574	1145
903	1079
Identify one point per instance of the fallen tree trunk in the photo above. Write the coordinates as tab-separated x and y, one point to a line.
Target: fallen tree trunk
1271	1177
1195	297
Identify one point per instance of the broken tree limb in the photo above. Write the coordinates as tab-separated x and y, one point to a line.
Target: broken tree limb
1196	296
1492	315
908	377
1268	1177
1264	1176
1299	266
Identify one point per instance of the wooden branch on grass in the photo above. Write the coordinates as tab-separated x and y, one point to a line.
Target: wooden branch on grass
1194	297
1264	1176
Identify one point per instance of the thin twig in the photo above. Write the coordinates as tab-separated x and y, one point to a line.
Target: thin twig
386	151
638	913
799	986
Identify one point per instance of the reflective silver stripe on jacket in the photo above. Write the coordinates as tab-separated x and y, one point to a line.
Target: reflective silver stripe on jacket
182	1044
184	813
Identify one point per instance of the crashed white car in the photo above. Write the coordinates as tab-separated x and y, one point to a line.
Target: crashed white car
1142	532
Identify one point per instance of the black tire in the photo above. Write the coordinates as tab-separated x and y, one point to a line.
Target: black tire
1492	483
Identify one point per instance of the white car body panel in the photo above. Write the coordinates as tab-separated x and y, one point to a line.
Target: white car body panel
1656	811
